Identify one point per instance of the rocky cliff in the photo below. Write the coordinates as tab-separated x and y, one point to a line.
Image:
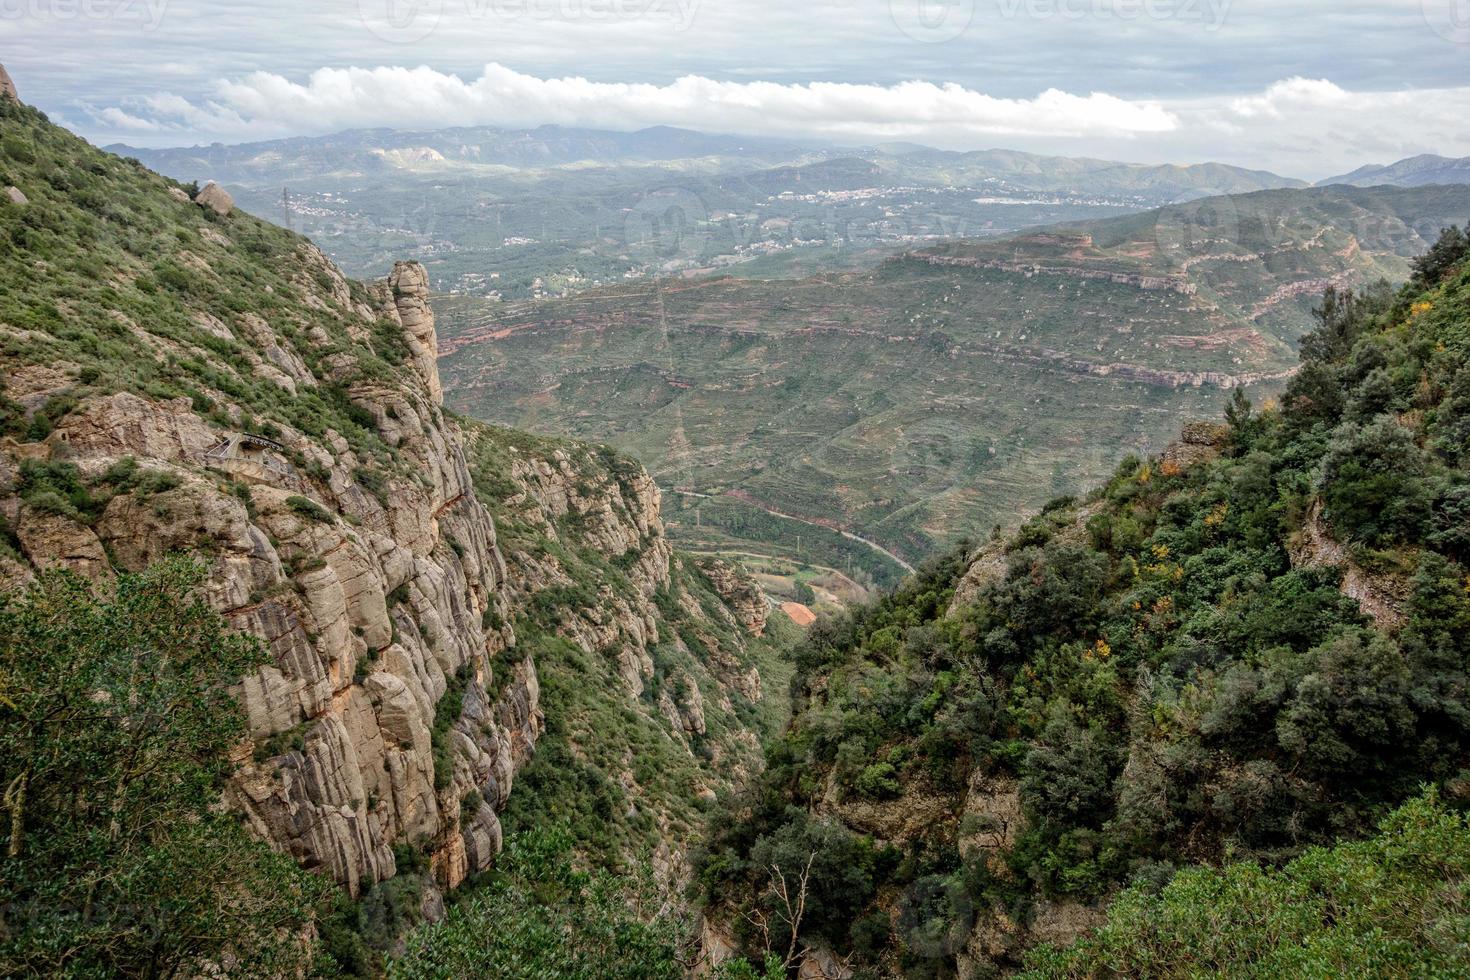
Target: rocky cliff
375	593
180	377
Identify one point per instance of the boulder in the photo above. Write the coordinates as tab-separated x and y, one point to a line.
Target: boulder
214	197
16	196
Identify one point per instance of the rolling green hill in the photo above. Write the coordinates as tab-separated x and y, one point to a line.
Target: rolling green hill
1212	673
945	391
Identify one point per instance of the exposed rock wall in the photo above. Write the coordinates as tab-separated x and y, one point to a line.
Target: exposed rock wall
374	603
739	590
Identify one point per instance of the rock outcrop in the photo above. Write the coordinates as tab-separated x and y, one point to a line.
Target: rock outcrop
216	198
1379	596
405	298
740	592
377	599
7	87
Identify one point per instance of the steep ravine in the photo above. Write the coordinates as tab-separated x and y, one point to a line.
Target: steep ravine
218	387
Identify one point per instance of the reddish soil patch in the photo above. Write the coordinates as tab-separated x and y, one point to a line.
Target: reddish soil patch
800	615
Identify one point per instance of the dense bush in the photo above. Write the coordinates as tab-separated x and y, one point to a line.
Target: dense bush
1168	669
539	918
116	733
1397	904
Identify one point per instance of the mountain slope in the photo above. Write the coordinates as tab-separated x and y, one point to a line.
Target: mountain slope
948	389
1412	172
523	213
1248	644
187	378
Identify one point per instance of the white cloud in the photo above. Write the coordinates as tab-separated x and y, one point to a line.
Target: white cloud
343	98
1292	95
1297	126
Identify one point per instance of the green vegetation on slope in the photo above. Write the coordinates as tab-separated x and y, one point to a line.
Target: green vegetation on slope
948	390
538	917
1397	904
1164	674
115	285
608	766
116	736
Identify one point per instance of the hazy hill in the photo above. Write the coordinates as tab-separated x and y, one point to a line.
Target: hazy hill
548	211
949	389
1412	172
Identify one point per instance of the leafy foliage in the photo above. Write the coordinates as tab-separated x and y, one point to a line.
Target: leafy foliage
115	735
539	918
1168	671
1397	904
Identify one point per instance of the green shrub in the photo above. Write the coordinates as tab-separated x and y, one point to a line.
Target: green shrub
309	509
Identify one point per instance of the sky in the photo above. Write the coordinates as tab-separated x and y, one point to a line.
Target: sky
1305	88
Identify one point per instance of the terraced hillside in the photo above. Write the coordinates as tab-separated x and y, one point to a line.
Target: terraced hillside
946	390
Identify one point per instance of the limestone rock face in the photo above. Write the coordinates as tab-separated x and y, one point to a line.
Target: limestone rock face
216	198
1383	597
373	605
1199	442
739	591
54	541
405	298
7	87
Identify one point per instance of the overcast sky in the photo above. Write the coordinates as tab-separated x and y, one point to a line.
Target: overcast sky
1302	87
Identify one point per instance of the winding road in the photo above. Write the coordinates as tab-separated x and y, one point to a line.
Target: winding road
802	520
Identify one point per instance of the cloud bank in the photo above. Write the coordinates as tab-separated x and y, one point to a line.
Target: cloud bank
343	98
1300	125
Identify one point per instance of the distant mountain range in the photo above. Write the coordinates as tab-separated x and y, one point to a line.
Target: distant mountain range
530	213
558	146
1413	172
299	157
